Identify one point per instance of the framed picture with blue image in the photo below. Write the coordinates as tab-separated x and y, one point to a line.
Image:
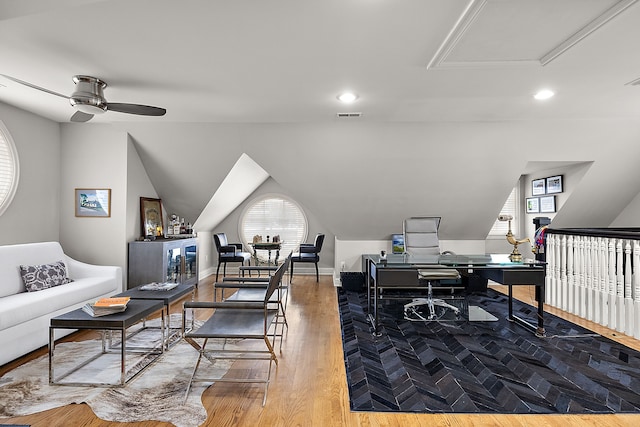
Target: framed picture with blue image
397	243
93	202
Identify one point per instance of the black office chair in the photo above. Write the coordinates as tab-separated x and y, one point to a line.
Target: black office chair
308	253
229	252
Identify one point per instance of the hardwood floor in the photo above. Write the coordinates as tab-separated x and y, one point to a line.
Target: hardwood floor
309	386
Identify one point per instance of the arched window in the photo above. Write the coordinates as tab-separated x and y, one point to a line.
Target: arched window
9	171
273	215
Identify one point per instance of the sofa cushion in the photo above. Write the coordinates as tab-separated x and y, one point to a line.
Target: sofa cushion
44	276
23	307
12	256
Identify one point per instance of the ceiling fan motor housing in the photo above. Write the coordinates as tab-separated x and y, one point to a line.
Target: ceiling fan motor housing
88	96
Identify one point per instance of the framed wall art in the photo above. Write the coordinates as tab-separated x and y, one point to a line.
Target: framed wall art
538	187
548	204
533	204
151	217
93	202
554	184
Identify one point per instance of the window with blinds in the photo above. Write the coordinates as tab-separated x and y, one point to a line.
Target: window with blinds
8	168
273	215
500	228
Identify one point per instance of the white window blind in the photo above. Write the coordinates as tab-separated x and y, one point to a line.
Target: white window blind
273	215
500	228
8	168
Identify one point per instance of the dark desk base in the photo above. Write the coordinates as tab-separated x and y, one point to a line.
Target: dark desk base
525	276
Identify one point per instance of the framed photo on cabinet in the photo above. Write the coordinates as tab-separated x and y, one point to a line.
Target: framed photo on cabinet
151	216
538	187
554	184
548	204
533	204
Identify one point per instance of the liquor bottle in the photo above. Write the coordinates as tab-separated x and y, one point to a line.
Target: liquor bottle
176	225
183	228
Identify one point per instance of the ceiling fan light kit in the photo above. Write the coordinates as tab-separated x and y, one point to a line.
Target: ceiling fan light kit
88	99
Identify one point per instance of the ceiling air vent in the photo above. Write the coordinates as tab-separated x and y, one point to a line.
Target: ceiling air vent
347	115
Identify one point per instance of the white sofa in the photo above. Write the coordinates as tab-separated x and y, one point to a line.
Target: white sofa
24	316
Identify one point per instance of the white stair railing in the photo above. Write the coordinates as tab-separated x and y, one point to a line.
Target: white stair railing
595	274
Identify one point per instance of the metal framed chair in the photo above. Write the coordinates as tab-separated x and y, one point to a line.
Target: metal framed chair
229	252
236	320
308	253
253	289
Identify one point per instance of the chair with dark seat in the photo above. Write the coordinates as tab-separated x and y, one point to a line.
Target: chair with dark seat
308	253
238	329
229	252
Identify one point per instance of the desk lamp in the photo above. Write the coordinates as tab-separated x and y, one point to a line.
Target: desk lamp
515	255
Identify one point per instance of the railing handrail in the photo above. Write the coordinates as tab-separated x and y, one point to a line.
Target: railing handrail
617	232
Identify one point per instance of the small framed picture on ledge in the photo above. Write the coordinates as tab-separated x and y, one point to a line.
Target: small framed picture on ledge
554	184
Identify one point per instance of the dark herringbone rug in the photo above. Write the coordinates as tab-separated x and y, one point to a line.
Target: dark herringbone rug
483	367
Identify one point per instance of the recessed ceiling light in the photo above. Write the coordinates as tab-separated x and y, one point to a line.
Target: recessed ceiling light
347	97
544	94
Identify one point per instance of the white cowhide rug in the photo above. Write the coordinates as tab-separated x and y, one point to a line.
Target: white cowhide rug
156	394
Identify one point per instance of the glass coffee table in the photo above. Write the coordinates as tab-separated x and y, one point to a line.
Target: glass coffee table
137	311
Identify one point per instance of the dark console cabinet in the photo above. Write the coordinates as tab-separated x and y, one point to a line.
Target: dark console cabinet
166	260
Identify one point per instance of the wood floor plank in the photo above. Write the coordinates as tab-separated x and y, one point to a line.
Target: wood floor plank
309	387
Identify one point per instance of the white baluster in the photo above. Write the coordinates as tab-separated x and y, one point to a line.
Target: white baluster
597	294
556	273
577	266
549	278
620	303
611	280
589	281
583	277
570	276
628	300
636	288
604	286
563	273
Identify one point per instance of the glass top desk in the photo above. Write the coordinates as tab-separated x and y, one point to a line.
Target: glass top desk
401	270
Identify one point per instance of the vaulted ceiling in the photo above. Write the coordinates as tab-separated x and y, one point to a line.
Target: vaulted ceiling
440	83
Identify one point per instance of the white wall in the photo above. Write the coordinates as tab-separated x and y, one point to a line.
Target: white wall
34	214
138	185
94	156
630	216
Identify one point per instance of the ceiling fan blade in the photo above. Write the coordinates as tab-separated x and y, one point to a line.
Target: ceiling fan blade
143	110
22	82
80	117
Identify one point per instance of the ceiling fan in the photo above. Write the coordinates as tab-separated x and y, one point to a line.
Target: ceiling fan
88	99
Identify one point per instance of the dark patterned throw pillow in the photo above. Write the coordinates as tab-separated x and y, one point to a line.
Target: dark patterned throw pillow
39	277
